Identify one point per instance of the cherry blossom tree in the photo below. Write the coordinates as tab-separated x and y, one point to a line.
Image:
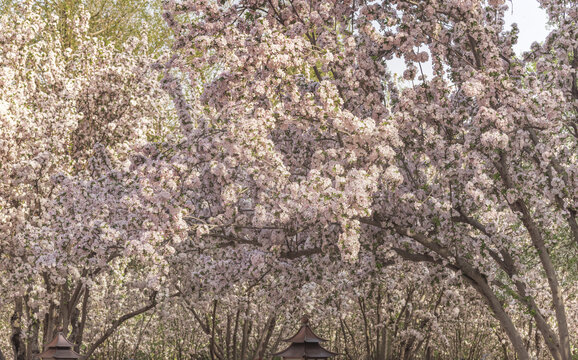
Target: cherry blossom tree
76	229
296	142
290	174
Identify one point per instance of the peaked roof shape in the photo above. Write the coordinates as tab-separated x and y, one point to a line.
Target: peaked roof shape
59	348
305	345
305	334
59	341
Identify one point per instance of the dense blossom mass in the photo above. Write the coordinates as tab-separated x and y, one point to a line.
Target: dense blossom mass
268	164
71	210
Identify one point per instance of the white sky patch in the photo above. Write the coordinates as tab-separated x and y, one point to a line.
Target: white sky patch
532	21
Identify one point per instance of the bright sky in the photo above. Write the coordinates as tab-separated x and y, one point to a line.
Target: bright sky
531	20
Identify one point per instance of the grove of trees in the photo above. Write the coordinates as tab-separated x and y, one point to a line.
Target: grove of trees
185	179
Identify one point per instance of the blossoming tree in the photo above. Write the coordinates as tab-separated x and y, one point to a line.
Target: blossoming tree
299	177
295	142
73	232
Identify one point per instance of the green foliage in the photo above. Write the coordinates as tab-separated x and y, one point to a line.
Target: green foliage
113	21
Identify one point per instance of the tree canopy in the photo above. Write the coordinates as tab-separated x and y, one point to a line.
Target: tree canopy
187	179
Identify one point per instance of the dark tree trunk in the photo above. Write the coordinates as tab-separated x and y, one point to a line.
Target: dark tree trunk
17	338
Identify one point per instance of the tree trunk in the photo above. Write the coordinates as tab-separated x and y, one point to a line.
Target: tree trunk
265	336
77	332
246	333
32	339
557	299
17	338
519	206
477	280
235	334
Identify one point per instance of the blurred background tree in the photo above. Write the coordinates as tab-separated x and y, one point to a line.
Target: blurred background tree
113	21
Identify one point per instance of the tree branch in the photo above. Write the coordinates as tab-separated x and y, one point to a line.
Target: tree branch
118	322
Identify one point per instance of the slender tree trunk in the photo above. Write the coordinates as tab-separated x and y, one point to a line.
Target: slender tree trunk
17	338
213	324
481	285
537	345
428	355
246	332
235	345
479	282
49	324
64	314
265	336
379	346
366	330
32	338
344	334
79	338
228	336
557	299
508	265
519	206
